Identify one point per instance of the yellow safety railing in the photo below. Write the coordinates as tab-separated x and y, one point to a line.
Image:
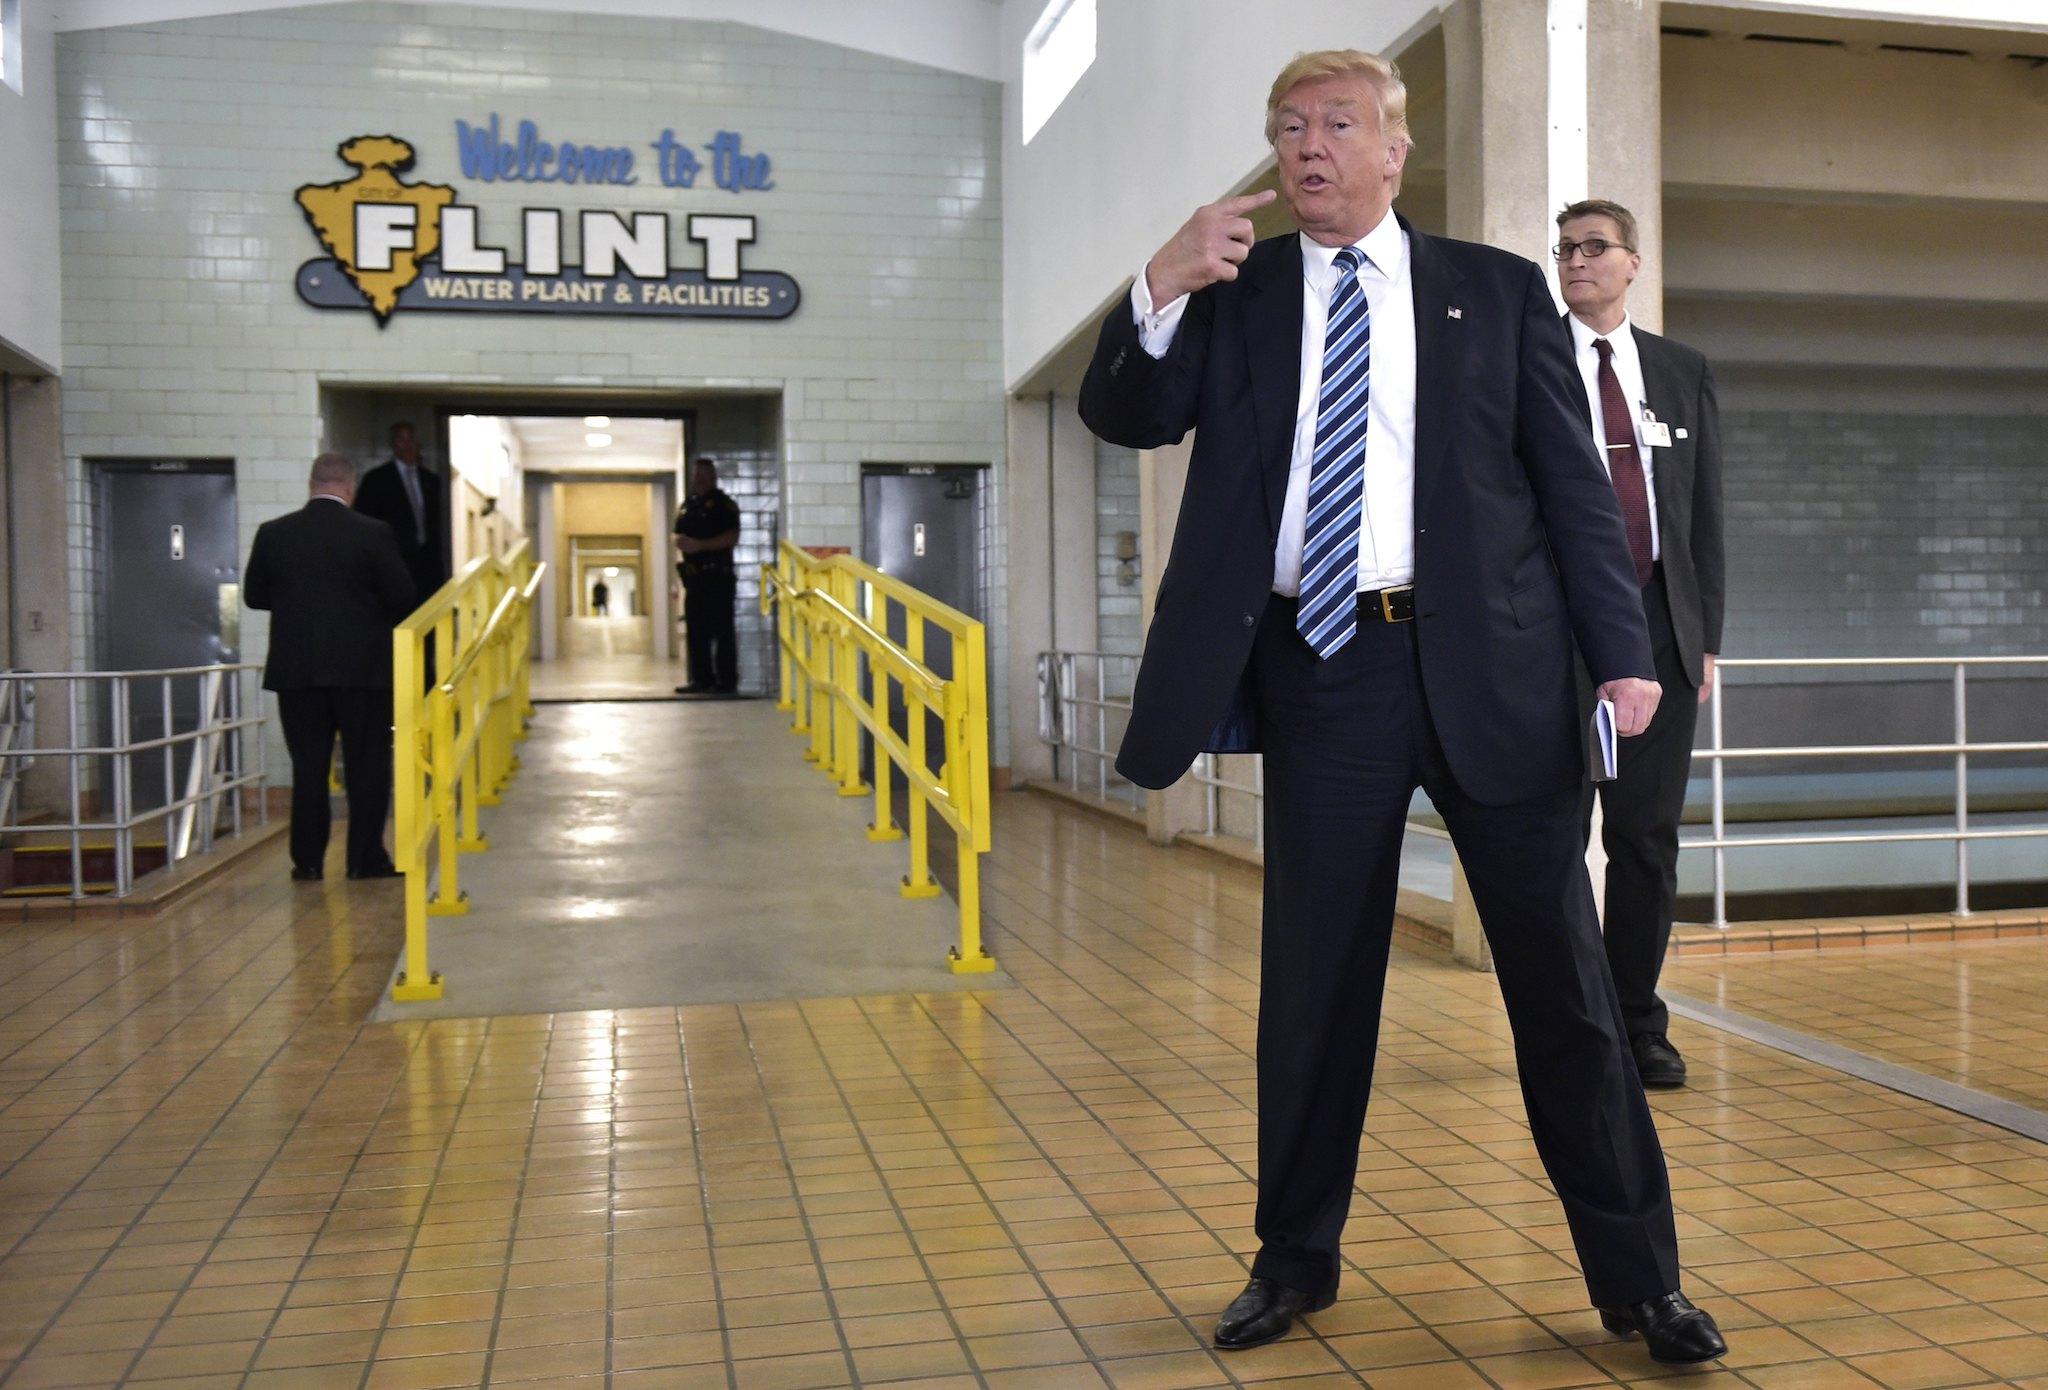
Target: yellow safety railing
842	673
454	741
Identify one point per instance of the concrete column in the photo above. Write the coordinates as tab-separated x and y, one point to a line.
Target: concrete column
1625	133
659	568
1496	100
1162	478
40	567
1028	498
1076	617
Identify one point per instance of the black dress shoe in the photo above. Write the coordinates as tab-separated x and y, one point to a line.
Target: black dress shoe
1674	1331
382	871
1264	1311
305	875
1657	1062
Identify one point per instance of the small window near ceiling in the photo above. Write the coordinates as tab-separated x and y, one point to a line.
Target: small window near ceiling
1058	50
10	43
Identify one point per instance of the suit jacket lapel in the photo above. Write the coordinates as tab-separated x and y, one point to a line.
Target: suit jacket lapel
1437	353
1273	343
1661	395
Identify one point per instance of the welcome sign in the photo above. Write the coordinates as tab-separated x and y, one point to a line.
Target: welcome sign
396	245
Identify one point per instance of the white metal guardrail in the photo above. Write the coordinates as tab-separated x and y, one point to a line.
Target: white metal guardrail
17	727
1078	692
208	789
1064	709
1718	755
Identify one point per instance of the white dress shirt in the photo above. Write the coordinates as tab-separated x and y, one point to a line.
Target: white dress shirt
1628	370
1386	534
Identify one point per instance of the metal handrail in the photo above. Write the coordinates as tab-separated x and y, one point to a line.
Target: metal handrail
454	741
1718	754
216	774
840	673
1060	710
1057	701
1052	695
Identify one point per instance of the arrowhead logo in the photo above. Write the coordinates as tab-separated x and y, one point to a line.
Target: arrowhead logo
376	197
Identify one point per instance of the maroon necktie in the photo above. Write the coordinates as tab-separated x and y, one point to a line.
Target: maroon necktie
1624	465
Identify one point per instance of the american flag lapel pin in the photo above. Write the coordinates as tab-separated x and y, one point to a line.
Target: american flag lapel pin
1457	313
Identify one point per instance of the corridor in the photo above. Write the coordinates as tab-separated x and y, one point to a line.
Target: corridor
218	1172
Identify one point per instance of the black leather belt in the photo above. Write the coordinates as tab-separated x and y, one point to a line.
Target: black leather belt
1387	605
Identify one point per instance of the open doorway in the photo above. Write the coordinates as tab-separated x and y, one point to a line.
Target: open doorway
593	479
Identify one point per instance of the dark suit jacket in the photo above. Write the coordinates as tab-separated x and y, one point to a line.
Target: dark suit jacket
1519	544
335	586
1687	478
381	494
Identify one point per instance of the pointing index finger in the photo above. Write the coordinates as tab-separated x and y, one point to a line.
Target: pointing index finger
1246	202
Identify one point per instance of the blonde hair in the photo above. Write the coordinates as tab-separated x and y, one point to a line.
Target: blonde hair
1378	73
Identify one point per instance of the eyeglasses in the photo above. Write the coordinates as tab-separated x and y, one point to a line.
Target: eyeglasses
1594	248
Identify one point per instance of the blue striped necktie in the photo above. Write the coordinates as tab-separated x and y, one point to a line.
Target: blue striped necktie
1328	611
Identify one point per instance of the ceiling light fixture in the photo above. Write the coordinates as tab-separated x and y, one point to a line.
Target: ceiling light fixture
598	422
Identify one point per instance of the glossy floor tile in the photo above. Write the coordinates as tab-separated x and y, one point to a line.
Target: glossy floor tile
619	877
214	1172
1968	1012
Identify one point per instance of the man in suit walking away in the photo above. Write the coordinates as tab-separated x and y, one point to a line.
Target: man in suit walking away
1395	526
408	497
1651	404
335	585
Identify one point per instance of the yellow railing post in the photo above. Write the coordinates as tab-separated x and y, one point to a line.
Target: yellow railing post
918	883
785	620
967	766
449	899
416	981
456	741
846	692
833	616
883	828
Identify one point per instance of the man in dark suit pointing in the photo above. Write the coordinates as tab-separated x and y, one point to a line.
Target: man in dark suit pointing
1394	528
335	587
1651	405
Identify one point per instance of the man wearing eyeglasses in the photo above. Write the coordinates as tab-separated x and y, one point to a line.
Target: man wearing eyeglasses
1651	402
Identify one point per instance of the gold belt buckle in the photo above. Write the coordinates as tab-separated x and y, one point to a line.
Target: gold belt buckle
1387	602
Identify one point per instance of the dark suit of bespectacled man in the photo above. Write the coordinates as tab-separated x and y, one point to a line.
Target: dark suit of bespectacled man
335	585
404	494
1650	402
1394	529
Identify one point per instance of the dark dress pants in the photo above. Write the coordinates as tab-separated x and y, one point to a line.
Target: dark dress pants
312	719
707	613
1347	740
1640	810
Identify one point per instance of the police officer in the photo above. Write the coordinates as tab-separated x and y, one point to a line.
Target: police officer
707	529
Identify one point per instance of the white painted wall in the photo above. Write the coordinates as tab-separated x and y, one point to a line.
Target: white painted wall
181	145
1169	117
30	322
956	35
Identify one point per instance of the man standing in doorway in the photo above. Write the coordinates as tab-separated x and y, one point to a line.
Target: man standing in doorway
1651	404
409	498
601	598
335	585
707	529
1394	528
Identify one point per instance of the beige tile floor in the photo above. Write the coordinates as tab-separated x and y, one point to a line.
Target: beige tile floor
214	1173
1969	1012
